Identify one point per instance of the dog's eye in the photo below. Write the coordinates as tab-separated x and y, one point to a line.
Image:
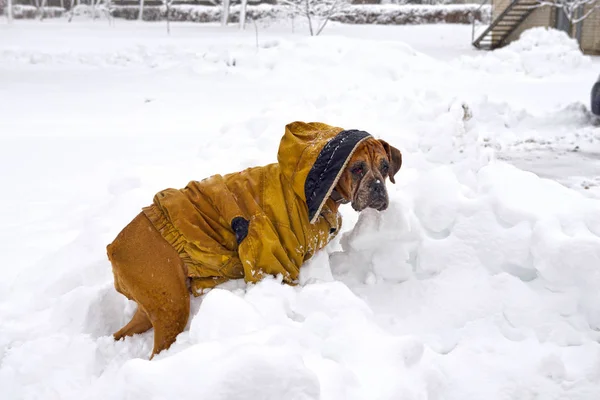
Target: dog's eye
357	170
384	170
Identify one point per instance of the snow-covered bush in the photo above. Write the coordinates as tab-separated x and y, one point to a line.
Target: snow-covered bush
151	13
364	14
21	11
189	13
413	14
84	10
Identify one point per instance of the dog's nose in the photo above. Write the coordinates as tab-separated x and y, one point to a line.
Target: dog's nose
377	187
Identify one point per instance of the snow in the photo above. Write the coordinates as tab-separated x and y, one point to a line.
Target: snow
539	52
479	282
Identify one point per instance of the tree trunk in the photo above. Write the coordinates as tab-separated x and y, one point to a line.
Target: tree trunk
71	11
42	8
106	10
225	14
310	28
243	14
255	31
168	4
141	14
9	11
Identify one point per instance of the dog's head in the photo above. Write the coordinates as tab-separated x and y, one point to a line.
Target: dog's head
362	183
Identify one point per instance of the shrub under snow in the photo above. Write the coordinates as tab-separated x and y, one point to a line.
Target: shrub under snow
30	12
197	13
85	10
413	14
363	14
390	14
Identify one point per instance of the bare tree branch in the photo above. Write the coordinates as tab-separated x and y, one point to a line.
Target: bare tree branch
320	9
330	12
572	7
307	13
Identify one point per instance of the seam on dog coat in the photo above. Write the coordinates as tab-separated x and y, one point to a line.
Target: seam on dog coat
261	221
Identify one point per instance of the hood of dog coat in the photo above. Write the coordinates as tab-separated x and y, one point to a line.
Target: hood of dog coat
312	157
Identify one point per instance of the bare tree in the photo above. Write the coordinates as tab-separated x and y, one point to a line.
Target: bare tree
41	7
106	8
574	10
95	8
319	11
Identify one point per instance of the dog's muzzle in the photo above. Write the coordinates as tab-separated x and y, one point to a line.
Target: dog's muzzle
379	197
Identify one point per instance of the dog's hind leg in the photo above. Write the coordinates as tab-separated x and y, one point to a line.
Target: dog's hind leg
140	323
149	271
169	320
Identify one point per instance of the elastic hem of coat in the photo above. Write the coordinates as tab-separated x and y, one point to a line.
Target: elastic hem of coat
198	285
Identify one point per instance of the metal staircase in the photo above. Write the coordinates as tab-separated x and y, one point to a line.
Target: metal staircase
504	24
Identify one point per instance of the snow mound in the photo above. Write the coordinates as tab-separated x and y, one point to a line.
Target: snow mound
465	268
251	371
539	52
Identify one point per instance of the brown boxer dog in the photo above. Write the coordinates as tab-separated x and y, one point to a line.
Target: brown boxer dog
362	184
278	216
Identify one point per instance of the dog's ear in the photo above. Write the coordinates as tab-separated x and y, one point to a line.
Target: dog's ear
395	157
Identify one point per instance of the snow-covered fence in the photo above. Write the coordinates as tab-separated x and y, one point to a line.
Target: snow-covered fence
359	14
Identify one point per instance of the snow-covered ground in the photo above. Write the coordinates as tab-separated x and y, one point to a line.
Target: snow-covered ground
481	281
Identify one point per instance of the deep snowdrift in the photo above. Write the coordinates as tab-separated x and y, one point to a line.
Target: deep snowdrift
479	282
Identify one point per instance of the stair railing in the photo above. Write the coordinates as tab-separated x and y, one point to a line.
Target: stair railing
474	20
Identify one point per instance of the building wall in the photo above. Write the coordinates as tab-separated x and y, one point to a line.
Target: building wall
590	33
498	6
541	16
546	16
